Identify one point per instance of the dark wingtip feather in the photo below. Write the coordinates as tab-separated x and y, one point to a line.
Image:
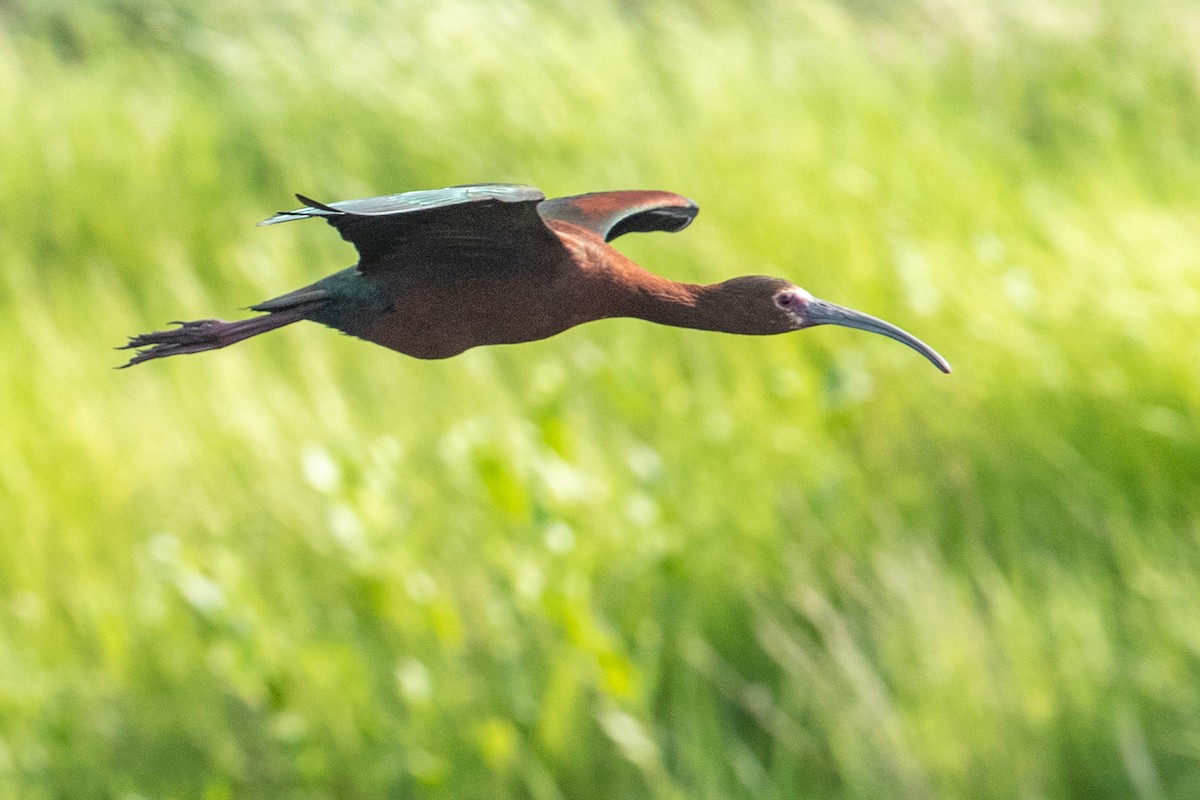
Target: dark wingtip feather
312	209
308	201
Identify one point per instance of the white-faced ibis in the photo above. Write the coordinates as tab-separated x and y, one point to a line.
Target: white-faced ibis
444	270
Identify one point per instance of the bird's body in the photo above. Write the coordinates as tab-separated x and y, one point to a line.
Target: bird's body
431	313
442	271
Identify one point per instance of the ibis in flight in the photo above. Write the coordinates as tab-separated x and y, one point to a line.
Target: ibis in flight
444	270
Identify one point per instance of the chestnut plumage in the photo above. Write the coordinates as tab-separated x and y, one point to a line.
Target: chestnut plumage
444	270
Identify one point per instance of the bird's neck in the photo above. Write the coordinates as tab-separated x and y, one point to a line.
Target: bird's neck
617	287
685	305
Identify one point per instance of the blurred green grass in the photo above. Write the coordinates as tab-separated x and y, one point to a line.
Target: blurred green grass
627	561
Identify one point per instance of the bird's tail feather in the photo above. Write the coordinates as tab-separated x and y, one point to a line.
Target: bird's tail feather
207	334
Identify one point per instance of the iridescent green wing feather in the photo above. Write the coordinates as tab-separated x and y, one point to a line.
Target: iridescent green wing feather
460	227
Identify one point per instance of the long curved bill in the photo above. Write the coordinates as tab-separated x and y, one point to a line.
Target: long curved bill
819	312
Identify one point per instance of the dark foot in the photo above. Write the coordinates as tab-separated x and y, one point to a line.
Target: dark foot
190	337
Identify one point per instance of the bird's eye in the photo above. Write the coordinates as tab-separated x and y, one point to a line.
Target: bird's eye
783	300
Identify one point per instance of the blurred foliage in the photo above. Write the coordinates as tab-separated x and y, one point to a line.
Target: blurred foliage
627	561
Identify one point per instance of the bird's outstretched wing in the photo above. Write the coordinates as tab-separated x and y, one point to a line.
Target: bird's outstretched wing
461	227
613	214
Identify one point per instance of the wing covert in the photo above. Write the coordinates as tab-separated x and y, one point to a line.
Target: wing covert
613	214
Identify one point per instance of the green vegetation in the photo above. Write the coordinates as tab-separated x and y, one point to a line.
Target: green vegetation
629	561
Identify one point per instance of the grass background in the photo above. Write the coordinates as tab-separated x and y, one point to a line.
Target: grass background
628	561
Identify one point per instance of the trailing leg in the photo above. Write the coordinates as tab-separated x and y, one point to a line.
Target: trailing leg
208	334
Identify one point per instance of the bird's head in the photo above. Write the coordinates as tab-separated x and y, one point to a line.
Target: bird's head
777	306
